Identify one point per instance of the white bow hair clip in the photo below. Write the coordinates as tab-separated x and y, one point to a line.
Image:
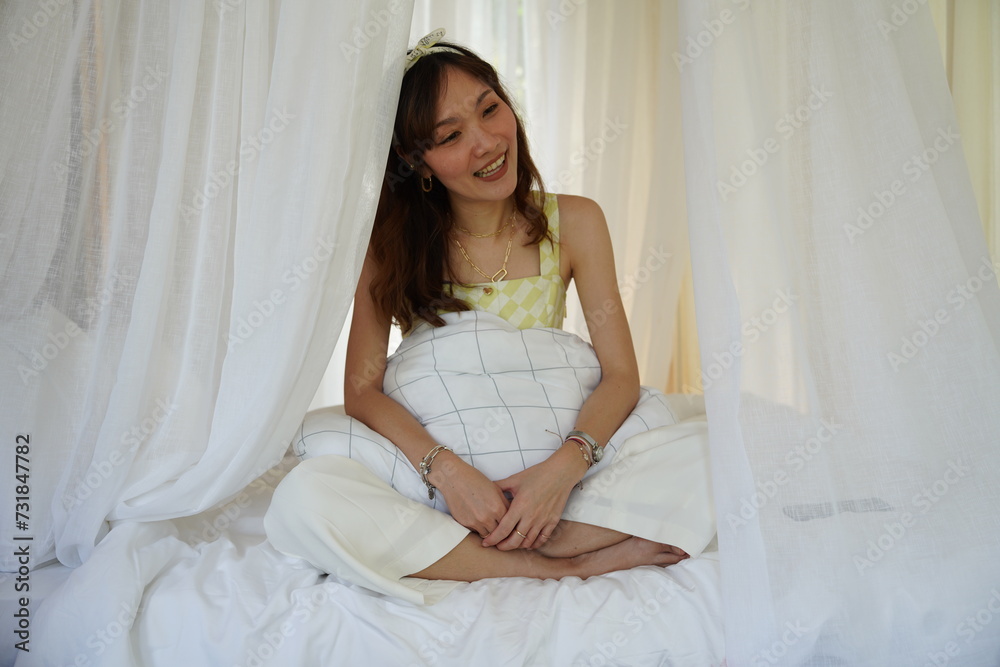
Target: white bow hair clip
426	47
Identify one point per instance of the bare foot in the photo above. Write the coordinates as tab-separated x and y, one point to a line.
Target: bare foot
627	554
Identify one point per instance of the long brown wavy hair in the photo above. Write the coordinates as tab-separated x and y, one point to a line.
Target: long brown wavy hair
410	236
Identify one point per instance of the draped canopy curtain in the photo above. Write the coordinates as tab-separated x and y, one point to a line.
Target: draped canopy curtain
969	37
849	321
187	188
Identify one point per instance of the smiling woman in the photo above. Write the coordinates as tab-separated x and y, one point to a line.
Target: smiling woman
468	248
479	127
454	123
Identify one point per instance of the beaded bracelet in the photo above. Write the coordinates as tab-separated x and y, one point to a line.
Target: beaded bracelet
425	468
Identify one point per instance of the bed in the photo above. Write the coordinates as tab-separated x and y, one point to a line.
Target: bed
210	590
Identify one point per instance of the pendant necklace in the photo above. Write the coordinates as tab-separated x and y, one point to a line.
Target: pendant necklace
502	272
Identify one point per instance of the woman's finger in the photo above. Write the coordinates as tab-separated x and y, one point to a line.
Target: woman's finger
544	535
521	539
502	532
518	538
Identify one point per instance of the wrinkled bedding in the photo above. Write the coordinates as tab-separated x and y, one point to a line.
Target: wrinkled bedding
209	591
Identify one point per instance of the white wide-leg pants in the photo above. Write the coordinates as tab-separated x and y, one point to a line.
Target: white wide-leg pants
336	514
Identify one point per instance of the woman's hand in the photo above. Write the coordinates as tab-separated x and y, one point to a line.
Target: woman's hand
539	497
474	501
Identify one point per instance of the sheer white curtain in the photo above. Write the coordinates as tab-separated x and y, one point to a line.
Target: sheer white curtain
849	319
602	96
186	191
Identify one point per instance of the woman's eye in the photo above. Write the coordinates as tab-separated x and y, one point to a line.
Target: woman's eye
490	109
449	138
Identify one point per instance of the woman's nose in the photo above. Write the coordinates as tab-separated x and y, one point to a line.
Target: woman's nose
485	142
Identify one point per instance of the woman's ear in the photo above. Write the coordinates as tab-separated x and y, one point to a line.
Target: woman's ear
414	163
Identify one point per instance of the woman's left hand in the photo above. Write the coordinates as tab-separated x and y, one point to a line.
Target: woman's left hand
539	495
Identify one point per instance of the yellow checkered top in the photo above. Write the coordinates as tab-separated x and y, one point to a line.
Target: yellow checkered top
532	302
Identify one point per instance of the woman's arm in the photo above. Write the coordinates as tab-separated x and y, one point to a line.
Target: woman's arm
365	370
587	243
474	501
540	492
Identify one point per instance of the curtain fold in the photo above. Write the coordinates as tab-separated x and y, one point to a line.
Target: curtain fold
187	188
847	317
969	33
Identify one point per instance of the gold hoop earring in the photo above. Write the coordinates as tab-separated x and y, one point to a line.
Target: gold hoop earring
426	184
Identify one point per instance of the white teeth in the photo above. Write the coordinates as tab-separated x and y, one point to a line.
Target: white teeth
492	169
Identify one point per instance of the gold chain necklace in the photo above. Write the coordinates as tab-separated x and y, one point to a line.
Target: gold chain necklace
491	234
502	273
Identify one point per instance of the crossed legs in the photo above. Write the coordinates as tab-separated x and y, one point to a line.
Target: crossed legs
575	549
337	515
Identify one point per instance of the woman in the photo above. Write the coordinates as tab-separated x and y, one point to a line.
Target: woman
459	227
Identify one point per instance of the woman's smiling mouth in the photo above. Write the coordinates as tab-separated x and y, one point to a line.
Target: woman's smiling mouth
493	168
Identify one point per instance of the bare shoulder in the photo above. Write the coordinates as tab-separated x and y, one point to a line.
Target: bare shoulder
577	211
581	221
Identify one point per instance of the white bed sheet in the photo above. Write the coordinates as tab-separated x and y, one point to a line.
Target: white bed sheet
211	592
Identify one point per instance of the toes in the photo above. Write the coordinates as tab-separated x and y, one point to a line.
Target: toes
667	558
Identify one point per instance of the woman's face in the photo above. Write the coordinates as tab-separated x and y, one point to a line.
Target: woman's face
474	143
